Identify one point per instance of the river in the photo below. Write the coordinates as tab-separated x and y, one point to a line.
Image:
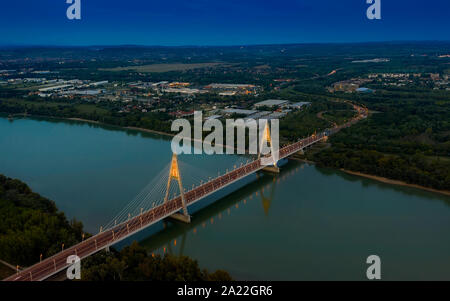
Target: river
307	223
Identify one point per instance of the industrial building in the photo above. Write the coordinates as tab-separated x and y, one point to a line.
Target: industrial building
298	105
239	111
271	103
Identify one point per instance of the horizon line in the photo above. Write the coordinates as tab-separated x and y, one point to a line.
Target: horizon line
214	45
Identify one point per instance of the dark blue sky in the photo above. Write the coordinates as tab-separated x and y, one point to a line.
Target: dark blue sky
220	22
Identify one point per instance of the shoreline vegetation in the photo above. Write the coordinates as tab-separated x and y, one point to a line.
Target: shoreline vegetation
394	182
31	226
364	175
378	178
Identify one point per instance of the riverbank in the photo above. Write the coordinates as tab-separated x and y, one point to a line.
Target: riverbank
120	127
373	177
98	123
379	179
394	182
123	128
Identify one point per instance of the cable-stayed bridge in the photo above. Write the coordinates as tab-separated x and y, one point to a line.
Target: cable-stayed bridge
144	211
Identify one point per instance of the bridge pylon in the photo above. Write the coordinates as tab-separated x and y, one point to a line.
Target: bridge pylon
174	174
266	138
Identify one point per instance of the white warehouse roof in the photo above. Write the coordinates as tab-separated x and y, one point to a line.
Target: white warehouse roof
271	103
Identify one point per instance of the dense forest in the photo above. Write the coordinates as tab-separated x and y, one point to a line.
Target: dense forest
133	263
406	137
31	225
95	112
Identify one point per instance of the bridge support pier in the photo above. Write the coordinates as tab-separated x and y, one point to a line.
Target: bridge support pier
299	155
271	169
181	217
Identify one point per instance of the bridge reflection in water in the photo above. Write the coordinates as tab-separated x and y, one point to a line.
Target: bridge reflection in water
175	236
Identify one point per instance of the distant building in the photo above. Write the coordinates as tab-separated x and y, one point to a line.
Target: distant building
227	93
434	76
179	85
377	60
54	88
228	86
275	115
271	103
232	89
213	117
83	92
298	105
364	90
44	94
179	114
181	90
99	83
345	87
259	114
239	111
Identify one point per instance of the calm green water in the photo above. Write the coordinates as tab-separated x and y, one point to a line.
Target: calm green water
305	224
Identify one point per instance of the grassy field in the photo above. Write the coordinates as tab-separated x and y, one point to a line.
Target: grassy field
158	68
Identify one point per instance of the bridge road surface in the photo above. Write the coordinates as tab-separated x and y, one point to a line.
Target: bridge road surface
58	262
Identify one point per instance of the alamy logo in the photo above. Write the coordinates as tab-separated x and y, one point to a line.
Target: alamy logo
374	10
374	270
74	11
74	269
267	133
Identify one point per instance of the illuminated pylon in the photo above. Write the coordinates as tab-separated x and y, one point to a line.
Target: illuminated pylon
267	201
174	174
266	138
